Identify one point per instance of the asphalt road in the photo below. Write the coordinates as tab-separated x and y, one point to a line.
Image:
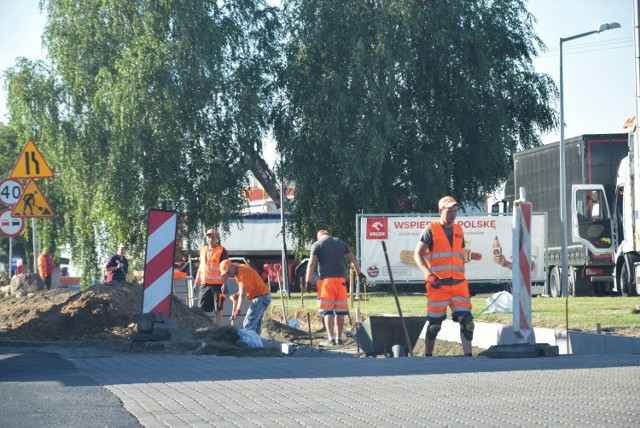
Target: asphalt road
43	389
91	387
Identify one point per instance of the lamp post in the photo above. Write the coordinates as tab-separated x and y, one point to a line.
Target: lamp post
563	177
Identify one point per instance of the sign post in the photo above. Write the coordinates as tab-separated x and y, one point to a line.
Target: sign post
30	202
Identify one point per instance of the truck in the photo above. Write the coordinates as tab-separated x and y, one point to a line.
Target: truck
485	236
592	162
624	218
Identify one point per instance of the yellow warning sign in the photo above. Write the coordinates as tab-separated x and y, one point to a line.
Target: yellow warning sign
31	164
32	203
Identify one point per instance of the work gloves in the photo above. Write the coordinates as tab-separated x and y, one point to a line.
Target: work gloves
363	279
433	281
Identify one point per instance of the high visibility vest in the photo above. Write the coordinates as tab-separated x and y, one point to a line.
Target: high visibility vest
45	265
209	269
444	259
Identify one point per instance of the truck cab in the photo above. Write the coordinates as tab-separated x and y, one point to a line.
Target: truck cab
609	234
623	226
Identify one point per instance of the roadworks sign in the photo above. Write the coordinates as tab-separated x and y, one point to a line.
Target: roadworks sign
32	203
31	164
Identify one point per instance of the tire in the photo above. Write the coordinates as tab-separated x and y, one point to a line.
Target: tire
555	282
625	281
571	282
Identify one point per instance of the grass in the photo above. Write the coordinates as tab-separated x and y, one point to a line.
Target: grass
617	315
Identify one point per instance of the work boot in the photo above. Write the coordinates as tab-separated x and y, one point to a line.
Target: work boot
339	342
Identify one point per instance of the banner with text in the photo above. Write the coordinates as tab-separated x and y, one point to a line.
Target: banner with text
487	246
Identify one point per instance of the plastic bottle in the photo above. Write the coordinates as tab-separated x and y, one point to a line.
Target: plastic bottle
497	250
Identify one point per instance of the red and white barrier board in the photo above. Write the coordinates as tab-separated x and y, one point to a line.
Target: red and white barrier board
521	271
160	254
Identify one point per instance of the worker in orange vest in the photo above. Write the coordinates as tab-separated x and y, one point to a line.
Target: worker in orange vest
209	279
440	256
250	287
46	267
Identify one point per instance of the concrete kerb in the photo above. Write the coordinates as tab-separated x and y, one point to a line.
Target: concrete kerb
543	342
569	342
295	350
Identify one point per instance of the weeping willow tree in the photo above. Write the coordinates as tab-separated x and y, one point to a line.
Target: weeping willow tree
142	105
381	106
390	105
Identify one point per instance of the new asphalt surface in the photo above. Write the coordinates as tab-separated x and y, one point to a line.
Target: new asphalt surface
58	387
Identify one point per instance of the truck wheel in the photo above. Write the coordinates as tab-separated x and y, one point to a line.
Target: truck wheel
571	282
625	281
555	284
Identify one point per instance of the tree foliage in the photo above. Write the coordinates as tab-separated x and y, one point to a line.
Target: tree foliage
376	106
146	103
391	105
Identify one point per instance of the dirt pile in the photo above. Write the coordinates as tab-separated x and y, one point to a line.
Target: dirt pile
103	315
98	312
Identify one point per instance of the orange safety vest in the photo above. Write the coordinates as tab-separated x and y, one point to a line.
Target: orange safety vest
45	265
209	270
444	259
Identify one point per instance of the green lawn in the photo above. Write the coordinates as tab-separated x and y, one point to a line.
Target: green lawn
618	315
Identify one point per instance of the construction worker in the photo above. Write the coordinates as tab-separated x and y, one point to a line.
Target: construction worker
440	256
209	279
250	287
329	253
46	267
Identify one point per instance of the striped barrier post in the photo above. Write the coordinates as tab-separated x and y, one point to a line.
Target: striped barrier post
521	270
158	269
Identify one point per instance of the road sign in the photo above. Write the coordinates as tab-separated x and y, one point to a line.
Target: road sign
9	225
31	164
32	203
10	191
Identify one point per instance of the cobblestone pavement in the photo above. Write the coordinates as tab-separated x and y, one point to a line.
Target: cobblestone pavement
199	391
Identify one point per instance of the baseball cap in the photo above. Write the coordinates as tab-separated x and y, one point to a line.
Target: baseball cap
212	232
446	202
224	266
323	232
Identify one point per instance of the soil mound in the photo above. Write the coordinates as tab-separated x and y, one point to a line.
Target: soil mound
103	312
103	316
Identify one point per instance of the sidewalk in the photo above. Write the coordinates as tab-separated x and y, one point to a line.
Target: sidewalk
173	390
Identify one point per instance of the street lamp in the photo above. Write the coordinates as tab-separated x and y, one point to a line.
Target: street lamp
563	177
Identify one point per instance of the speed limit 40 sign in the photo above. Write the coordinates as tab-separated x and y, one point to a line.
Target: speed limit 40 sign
10	191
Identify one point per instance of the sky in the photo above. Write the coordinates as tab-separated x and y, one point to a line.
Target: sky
598	70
